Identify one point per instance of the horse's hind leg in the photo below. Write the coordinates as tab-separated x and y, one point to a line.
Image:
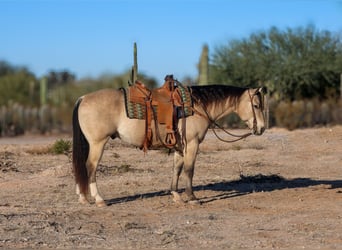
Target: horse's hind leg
82	197
95	154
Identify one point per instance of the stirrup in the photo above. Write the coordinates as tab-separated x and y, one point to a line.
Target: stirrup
170	140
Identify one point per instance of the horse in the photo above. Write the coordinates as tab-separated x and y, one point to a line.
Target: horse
101	115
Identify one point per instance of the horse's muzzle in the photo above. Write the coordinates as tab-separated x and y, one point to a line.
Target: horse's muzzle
258	131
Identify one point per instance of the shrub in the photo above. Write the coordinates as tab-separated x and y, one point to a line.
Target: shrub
61	147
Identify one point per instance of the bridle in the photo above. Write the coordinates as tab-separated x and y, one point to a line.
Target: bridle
214	123
253	110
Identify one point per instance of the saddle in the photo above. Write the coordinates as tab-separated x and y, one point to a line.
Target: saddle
163	106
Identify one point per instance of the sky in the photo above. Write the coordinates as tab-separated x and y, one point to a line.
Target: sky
90	38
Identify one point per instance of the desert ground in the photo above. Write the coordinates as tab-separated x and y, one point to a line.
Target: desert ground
279	190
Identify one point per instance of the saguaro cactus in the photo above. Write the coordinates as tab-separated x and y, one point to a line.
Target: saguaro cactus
43	91
135	62
341	87
134	75
203	66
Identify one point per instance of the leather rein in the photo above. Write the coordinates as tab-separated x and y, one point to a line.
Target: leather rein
216	125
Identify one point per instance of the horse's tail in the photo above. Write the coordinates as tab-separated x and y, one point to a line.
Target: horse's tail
80	151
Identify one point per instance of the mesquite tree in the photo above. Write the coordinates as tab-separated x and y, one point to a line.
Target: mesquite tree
293	63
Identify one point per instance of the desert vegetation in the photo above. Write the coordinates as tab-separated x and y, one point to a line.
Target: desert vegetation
301	68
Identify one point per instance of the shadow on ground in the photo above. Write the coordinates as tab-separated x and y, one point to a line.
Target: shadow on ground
243	186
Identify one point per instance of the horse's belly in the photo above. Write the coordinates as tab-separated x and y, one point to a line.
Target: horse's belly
132	131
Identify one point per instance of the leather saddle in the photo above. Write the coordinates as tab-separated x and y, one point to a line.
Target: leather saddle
163	106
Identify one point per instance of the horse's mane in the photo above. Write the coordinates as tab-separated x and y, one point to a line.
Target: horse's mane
215	94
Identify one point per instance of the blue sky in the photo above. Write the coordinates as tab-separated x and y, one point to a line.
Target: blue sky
90	38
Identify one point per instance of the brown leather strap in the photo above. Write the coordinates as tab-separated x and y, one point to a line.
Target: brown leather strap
148	130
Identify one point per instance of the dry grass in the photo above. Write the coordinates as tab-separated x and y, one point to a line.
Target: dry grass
60	146
38	150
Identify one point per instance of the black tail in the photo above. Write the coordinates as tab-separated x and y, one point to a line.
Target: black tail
80	151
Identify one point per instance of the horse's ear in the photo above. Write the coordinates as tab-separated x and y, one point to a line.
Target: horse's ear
263	90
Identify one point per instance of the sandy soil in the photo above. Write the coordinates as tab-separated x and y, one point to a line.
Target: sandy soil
280	190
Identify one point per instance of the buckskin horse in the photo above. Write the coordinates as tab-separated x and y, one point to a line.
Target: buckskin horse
101	115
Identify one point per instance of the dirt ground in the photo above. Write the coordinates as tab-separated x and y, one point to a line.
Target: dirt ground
279	190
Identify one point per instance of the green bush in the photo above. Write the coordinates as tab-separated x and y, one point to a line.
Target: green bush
61	147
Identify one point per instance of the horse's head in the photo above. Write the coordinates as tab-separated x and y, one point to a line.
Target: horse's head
252	109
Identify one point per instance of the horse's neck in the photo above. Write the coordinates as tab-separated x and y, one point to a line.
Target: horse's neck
221	109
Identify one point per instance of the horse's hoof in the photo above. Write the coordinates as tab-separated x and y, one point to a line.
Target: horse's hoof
176	197
195	202
101	204
83	201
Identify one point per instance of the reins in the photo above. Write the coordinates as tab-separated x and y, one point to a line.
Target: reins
239	137
216	125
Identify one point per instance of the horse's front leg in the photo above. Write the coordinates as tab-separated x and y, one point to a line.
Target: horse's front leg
186	162
178	163
189	167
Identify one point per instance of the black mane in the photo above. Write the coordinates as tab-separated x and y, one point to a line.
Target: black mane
212	94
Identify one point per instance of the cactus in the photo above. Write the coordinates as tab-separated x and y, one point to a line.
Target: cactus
341	86
43	91
134	75
45	119
282	114
35	119
338	112
297	114
309	113
203	66
135	66
325	116
2	120
18	119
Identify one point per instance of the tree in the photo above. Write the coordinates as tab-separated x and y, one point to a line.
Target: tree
17	84
57	78
294	63
6	68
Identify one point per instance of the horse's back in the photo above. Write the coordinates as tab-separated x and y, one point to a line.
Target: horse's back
105	95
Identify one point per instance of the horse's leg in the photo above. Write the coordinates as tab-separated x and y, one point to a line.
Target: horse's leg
82	197
189	166
178	163
95	154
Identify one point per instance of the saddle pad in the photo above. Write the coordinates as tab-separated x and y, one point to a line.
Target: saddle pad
134	110
185	95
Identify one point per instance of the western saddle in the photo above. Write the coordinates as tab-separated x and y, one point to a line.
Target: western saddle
165	106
